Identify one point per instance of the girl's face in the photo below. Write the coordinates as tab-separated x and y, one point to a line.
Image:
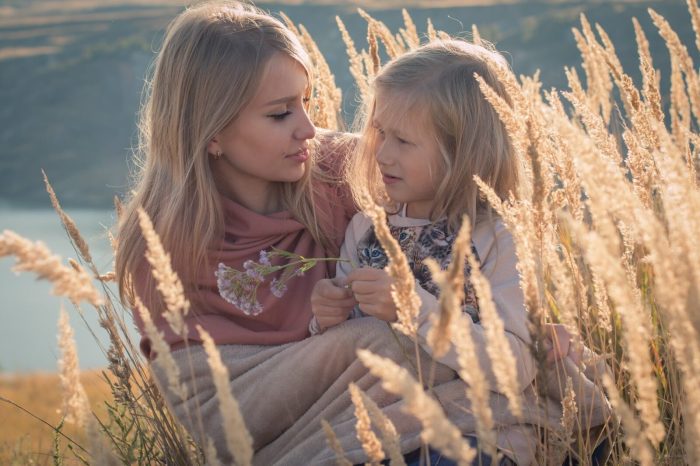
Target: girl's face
268	141
408	156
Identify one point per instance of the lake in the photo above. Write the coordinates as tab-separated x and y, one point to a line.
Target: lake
28	312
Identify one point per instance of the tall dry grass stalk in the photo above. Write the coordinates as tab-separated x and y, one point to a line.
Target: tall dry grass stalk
238	440
334	443
357	68
403	289
639	447
497	345
71	282
168	283
389	437
560	443
370	443
164	358
437	429
452	328
76	407
451	283
68	223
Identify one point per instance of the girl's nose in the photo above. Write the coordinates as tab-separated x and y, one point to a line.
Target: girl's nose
305	130
383	154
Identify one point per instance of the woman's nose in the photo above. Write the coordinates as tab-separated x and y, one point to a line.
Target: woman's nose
306	129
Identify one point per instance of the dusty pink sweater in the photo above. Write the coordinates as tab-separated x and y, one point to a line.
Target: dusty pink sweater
283	319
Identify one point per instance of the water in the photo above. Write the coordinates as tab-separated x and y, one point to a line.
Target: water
28	311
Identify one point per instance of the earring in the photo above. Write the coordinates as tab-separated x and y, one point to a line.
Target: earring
218	155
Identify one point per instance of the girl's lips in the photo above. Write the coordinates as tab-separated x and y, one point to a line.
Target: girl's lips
300	156
388	179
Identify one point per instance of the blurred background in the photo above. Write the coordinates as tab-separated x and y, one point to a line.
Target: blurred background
71	76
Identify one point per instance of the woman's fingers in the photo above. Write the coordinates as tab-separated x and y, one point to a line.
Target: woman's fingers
336	303
328	290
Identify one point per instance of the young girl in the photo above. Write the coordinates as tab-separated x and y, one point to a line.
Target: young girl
427	133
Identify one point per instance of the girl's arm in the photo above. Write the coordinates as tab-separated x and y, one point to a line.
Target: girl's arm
496	249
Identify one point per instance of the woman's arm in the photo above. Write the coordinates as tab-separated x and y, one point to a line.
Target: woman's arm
331	301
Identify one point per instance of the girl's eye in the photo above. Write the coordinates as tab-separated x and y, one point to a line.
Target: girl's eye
280	116
402	141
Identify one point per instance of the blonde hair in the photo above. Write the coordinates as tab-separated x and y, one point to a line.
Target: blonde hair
209	67
436	82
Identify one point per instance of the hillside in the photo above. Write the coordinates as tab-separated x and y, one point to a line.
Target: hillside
71	72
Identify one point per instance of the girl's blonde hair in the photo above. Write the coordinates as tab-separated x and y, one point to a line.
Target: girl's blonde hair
211	62
434	86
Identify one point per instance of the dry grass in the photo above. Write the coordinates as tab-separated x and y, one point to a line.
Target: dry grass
41	394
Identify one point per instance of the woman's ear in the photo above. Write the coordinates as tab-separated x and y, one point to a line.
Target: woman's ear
214	147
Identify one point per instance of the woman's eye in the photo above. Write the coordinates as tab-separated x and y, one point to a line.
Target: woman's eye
280	116
402	141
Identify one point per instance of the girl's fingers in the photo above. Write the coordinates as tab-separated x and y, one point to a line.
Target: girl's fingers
343	303
366	274
375	300
366	287
380	312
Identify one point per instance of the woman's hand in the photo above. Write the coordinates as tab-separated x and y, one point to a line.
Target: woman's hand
372	289
330	303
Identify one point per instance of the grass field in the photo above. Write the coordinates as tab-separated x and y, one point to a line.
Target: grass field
23	438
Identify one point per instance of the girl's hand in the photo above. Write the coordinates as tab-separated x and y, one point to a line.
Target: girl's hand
331	303
372	289
561	344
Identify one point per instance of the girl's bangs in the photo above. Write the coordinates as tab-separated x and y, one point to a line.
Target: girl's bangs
402	109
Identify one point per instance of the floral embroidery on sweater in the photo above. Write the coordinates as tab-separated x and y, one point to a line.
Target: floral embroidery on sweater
419	243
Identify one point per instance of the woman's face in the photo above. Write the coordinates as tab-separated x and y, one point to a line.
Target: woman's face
268	141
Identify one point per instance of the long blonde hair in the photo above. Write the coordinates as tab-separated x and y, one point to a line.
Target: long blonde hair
210	64
436	81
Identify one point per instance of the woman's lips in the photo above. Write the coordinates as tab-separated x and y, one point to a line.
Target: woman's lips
300	156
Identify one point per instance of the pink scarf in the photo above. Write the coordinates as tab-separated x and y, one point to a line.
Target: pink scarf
284	319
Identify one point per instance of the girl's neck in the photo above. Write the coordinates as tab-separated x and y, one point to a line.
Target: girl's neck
417	210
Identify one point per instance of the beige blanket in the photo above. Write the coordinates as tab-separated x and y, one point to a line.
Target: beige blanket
285	391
